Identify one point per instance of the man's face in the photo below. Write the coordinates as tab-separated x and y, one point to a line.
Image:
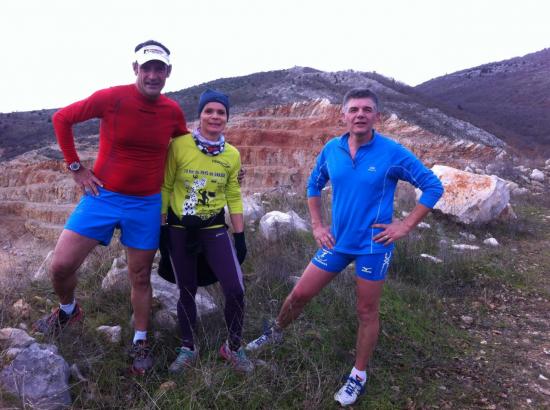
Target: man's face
359	115
151	77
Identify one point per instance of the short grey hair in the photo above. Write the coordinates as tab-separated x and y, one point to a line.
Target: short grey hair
359	93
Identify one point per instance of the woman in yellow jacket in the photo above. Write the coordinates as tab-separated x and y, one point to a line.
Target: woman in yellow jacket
199	181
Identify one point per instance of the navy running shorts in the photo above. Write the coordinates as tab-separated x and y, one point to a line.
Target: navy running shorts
372	266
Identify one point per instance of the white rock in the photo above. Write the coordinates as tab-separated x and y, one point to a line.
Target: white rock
522	168
113	333
463	246
424	225
39	376
467	319
13	337
21	309
469	236
167	294
252	208
537	175
491	242
275	223
431	258
117	277
519	191
471	198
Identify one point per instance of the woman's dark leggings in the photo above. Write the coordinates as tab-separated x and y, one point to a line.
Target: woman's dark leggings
220	255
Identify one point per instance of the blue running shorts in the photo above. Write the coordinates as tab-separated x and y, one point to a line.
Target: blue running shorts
372	266
137	217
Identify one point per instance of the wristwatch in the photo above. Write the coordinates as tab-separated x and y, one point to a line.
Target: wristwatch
74	166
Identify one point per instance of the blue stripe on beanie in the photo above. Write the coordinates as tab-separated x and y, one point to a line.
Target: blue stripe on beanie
210	95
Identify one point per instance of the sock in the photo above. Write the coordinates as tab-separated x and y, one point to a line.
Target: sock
68	308
140	335
359	375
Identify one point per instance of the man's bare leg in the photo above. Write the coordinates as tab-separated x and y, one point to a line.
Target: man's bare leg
139	270
312	281
368	306
69	253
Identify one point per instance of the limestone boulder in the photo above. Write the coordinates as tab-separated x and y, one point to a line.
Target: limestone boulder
39	376
537	175
167	294
276	223
117	277
471	198
252	208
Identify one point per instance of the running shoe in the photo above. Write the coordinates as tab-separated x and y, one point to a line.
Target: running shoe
58	320
186	358
142	360
271	336
350	391
237	358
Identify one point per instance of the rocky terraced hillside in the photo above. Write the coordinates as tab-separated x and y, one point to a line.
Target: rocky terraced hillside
278	146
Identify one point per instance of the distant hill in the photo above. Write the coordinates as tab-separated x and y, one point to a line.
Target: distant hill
513	95
24	131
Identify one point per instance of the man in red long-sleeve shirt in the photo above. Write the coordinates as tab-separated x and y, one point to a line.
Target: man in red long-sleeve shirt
123	189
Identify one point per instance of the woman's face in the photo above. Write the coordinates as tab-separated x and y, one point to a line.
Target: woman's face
213	119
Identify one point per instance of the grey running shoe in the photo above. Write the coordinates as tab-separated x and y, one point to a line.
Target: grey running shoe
186	358
271	336
58	320
142	358
237	358
350	391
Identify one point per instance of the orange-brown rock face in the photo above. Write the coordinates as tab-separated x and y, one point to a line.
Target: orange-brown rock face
279	145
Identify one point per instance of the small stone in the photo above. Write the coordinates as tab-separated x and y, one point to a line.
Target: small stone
491	242
542	377
467	319
21	309
167	386
431	258
424	225
113	333
463	247
469	236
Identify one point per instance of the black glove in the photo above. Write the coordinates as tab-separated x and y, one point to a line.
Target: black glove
240	246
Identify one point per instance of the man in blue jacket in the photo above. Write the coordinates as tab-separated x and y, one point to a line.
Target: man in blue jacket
364	168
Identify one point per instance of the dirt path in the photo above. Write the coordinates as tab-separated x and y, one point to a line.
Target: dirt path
507	362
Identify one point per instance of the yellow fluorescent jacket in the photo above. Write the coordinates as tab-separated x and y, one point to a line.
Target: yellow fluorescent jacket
199	184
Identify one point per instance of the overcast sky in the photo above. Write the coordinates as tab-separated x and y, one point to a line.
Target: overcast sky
58	51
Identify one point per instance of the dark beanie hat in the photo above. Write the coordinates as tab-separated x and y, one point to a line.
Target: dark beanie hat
213	96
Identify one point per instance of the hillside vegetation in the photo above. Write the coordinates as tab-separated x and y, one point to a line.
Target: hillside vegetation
468	333
513	95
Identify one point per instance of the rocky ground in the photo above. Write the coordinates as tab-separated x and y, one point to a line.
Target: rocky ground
506	362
